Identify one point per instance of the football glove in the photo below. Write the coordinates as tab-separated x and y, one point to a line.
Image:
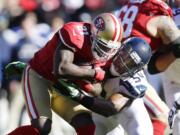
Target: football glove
14	69
68	89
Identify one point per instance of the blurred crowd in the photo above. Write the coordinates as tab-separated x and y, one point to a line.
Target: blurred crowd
25	26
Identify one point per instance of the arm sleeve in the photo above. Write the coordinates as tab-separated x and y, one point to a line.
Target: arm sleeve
152	69
98	105
70	37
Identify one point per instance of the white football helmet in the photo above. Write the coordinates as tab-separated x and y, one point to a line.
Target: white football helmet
107	33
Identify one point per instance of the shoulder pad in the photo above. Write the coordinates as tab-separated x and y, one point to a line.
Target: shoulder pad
73	34
156	7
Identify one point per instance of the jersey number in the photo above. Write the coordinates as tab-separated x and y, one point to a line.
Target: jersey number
129	15
82	30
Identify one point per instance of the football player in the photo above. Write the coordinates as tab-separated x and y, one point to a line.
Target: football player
170	79
122	91
152	21
78	51
131	58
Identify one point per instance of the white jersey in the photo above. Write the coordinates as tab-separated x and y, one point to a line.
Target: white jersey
133	117
133	87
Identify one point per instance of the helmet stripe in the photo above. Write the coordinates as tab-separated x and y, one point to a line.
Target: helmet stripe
117	31
121	31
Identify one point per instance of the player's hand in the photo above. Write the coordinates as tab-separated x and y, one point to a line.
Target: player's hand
173	112
68	89
14	69
99	74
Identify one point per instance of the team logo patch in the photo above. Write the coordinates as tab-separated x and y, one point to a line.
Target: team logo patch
99	23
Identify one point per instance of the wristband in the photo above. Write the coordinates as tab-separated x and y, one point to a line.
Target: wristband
152	69
175	47
176	50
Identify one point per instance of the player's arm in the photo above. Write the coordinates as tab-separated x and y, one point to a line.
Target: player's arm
164	27
65	68
101	106
109	107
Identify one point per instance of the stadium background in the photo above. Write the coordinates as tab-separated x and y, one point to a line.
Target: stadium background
25	26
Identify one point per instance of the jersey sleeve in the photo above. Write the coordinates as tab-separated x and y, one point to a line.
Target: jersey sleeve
157	7
70	37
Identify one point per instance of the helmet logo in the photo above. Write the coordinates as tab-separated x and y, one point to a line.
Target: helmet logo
135	57
99	23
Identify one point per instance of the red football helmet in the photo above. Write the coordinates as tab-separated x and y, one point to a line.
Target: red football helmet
107	33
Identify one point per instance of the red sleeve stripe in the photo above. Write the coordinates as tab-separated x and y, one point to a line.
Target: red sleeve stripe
25	95
28	94
154	108
63	41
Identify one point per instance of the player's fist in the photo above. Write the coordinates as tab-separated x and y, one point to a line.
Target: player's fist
99	74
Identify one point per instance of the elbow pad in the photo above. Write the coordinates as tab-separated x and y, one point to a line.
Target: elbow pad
152	69
175	47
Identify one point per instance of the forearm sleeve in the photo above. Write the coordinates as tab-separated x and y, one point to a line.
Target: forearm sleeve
152	69
175	46
98	105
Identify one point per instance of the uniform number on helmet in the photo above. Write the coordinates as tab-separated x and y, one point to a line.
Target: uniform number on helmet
127	15
135	57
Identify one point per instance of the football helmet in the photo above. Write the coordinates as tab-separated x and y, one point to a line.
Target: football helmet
107	33
133	55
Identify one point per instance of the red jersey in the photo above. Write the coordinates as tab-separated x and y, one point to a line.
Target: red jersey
74	35
135	15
